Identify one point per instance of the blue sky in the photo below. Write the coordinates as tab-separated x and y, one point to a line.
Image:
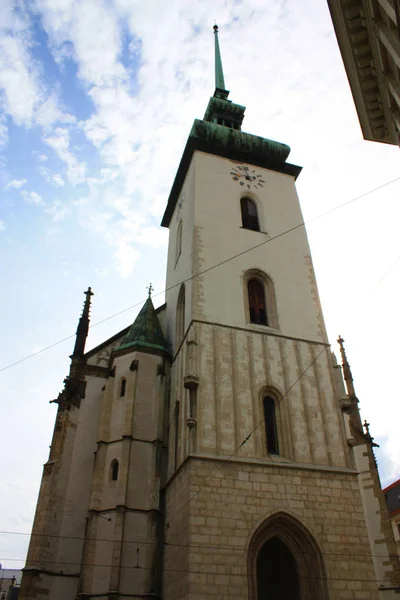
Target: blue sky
97	98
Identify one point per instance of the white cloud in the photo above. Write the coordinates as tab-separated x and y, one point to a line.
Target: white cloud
156	237
50	112
57	180
43	157
57	210
15	184
126	257
26	97
54	178
3	132
2	226
32	197
59	141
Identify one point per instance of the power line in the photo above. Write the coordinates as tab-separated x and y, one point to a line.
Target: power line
208	269
199	572
174	545
246	439
191	278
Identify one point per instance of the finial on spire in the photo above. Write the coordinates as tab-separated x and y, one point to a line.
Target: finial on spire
83	325
86	306
150	288
219	73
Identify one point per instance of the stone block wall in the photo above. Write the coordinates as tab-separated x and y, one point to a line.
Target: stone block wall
214	524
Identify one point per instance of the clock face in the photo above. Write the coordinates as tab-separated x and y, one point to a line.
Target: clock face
247	177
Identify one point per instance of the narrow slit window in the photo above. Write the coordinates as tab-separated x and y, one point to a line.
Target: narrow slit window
257	305
180	316
114	470
271	431
178	242
122	388
249	214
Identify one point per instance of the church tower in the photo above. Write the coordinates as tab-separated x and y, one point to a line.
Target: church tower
262	497
211	449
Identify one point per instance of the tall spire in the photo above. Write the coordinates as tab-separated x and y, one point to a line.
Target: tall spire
219	73
83	326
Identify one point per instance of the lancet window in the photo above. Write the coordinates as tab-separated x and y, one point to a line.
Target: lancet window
271	429
178	241
249	214
114	470
180	317
257	305
260	299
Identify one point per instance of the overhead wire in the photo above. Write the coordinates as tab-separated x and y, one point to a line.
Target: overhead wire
208	269
246	439
191	278
199	572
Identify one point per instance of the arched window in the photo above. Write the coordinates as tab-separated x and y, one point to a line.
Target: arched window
180	317
114	470
122	388
257	305
178	248
249	214
260	299
271	430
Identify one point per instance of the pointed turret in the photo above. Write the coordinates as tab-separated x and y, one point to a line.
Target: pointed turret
74	383
83	325
355	417
348	377
146	330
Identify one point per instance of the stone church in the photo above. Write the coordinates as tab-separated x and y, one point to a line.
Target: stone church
214	449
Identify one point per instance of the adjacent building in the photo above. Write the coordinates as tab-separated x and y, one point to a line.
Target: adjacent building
214	449
392	495
10	580
368	33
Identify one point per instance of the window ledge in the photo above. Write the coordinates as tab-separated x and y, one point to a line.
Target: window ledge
262	328
253	230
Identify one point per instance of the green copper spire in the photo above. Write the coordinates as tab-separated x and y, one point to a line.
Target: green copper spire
219	73
146	331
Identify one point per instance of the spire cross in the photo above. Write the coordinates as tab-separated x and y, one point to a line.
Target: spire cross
150	288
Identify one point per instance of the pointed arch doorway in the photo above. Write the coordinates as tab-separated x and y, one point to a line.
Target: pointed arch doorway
285	562
277	576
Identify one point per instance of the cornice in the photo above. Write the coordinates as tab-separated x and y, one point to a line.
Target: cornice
358	38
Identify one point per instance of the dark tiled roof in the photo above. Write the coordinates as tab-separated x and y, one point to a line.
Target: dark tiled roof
146	330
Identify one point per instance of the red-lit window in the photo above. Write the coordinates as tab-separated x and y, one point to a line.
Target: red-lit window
249	214
257	307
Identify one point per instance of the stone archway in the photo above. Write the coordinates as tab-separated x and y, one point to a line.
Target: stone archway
285	562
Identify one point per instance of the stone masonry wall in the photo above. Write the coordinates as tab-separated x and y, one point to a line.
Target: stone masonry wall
230	500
